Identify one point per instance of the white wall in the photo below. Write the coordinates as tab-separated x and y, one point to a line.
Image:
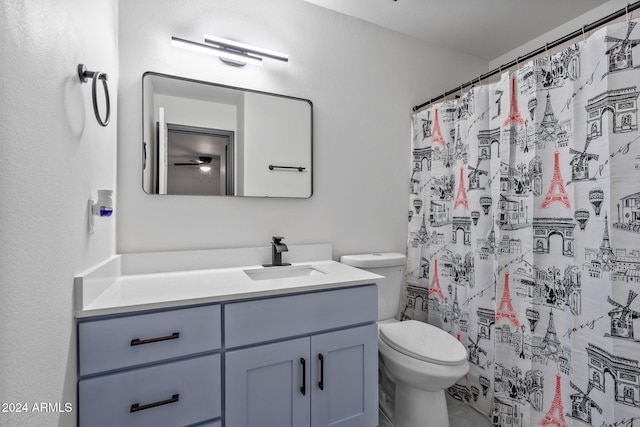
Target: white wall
363	81
193	112
267	143
54	156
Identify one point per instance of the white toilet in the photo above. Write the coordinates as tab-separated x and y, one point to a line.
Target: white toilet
420	359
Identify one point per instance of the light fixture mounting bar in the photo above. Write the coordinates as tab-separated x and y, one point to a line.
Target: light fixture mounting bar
245	48
239	57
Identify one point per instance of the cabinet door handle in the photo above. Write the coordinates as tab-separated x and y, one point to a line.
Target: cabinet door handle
137	407
321	382
138	341
303	389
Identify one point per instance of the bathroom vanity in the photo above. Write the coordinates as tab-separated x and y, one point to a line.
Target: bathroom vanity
289	347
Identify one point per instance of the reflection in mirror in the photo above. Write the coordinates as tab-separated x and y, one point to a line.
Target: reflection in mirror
202	138
199	161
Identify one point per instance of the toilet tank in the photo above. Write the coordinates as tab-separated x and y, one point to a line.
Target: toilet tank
392	266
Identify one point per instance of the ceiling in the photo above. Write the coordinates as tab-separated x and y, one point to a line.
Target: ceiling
487	29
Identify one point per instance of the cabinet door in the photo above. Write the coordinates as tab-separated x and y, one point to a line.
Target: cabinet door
268	385
345	378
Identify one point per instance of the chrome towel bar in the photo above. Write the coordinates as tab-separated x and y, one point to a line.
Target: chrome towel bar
299	168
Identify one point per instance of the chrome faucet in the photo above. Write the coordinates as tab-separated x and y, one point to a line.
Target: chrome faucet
277	247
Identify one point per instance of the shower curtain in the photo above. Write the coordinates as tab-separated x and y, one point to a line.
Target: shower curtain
524	235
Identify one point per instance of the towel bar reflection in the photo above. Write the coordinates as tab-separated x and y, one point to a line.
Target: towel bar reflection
84	75
299	168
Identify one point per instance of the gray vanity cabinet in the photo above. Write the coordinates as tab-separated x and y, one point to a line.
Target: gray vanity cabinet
298	360
324	380
151	369
326	377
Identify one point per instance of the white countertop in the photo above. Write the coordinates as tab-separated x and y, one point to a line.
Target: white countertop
134	292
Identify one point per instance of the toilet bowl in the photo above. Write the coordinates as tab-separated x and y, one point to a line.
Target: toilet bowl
421	360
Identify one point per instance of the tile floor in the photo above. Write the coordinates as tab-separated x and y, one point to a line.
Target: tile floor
460	415
463	415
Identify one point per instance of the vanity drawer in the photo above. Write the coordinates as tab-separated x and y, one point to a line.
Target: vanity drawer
171	394
256	321
132	340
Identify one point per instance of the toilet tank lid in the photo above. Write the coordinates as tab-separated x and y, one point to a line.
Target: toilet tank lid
374	260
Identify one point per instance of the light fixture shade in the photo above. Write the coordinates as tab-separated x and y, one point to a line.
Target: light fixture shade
239	58
245	48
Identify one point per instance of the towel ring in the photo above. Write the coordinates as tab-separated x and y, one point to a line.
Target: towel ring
95	76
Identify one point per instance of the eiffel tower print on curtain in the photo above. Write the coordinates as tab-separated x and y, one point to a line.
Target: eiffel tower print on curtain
551	343
436	135
554	417
435	287
461	196
549	130
514	116
557	191
550	233
505	308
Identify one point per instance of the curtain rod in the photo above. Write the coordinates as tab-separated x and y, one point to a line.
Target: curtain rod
615	15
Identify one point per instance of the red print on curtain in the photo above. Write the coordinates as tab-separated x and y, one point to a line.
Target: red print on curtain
557	192
435	283
514	112
436	136
505	309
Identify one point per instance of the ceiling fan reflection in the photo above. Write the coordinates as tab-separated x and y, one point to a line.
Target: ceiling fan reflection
203	162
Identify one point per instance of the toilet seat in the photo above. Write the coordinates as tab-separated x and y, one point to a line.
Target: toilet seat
423	342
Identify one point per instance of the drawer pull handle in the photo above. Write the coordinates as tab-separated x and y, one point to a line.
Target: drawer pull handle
303	389
321	382
136	406
138	341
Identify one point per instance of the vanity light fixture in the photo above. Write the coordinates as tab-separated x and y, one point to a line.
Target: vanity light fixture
230	52
227	56
245	48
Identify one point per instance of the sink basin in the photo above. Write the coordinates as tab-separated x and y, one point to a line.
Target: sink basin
270	273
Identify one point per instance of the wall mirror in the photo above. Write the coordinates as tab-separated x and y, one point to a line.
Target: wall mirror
202	138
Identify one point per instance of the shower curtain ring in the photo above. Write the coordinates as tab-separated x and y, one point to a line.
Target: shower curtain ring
627	9
584	38
546	50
